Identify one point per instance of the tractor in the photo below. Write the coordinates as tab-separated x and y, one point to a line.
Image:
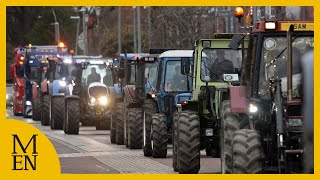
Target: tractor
262	127
196	124
53	76
166	87
89	94
32	60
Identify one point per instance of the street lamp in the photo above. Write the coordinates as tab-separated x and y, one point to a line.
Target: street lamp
77	36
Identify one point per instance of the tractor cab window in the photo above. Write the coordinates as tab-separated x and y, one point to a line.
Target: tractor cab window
151	74
108	78
174	80
216	62
94	73
274	63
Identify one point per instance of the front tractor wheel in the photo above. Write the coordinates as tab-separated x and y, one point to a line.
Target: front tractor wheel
119	123
36	110
135	128
72	116
159	136
247	152
45	114
230	122
150	108
189	143
57	110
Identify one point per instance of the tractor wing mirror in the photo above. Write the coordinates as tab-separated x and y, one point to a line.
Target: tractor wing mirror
185	66
236	40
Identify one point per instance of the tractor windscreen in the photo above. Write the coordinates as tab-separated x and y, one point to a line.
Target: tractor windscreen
94	73
216	62
64	71
174	80
274	63
151	74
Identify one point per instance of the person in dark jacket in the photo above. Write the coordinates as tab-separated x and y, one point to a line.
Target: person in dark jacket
94	76
221	66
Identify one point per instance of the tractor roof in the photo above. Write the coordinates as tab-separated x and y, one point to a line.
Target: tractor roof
177	53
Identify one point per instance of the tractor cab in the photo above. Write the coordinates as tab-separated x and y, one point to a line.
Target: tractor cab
34	55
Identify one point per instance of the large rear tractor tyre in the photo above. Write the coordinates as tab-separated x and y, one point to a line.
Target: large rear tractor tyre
57	110
135	128
150	107
45	113
119	123
247	152
36	110
159	136
230	122
189	143
72	116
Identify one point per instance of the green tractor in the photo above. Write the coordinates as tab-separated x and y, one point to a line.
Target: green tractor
197	123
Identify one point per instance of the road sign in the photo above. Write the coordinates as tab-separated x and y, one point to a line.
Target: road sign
81	41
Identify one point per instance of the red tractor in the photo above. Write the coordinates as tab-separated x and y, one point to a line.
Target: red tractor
17	72
263	132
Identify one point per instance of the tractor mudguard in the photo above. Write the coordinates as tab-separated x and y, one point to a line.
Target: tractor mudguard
181	97
58	95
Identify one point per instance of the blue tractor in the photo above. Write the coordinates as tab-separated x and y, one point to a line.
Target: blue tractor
33	57
166	87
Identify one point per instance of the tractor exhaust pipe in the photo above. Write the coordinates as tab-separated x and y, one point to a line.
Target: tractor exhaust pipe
289	64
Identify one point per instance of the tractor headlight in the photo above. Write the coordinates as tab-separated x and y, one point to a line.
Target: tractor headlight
62	83
92	100
7	96
103	100
253	108
28	103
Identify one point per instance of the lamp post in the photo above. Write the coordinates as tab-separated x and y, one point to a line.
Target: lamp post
134	29
139	29
77	36
56	27
119	29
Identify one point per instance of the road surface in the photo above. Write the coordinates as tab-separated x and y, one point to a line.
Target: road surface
91	152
